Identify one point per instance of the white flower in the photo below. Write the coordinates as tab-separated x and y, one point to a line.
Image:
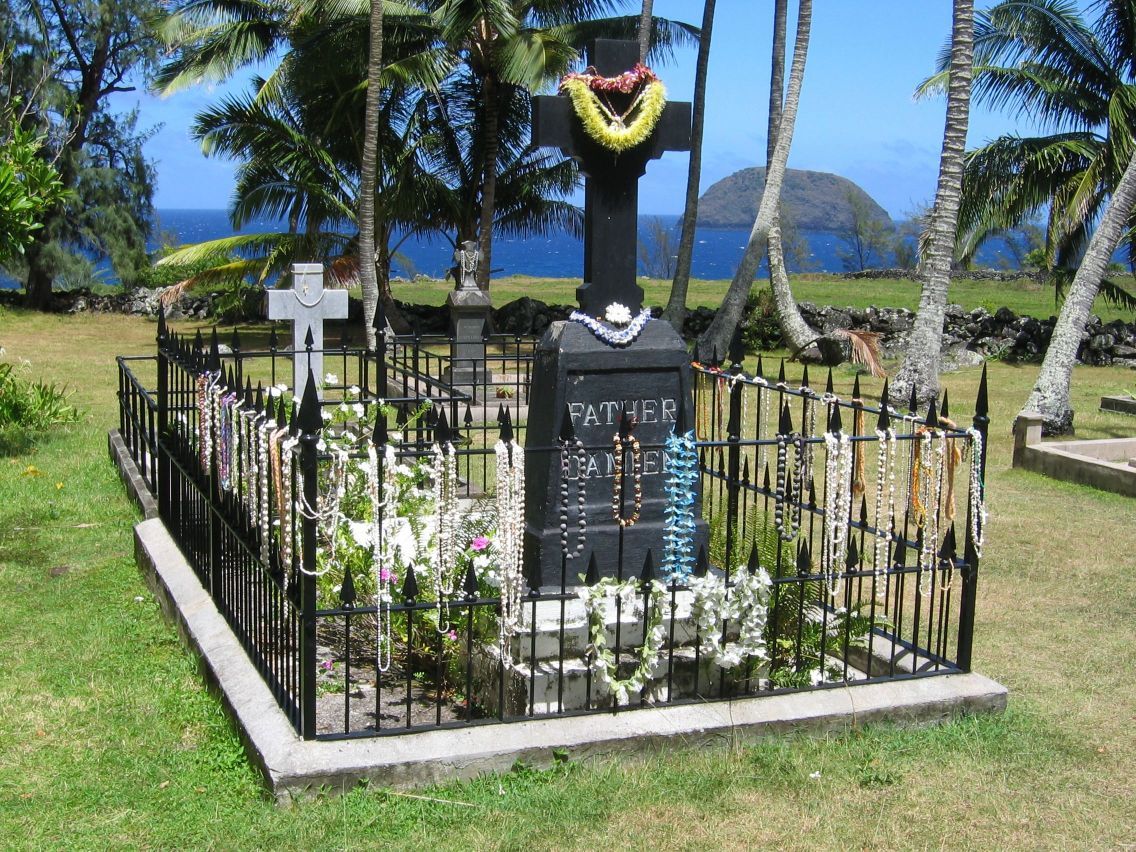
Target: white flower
617	314
344	407
358	409
353	390
326	415
275	391
331	379
815	775
282	387
361	532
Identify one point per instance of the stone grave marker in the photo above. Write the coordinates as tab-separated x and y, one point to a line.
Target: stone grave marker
595	380
307	305
469	321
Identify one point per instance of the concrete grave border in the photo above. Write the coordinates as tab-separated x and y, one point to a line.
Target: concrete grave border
297	768
1082	462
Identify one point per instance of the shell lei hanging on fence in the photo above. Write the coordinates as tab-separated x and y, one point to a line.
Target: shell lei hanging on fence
510	541
781	495
977	505
326	513
624	331
380	491
567	448
678	544
885	501
264	476
838	496
747	603
630	593
445	480
205	383
617	482
617	131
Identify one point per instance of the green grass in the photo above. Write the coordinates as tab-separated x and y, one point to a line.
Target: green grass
1023	297
109	739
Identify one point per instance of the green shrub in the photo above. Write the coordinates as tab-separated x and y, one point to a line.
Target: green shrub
29	407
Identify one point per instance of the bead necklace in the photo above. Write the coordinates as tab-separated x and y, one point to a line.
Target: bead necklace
780	496
379	496
264	475
885	501
205	382
287	508
326	513
225	461
445	481
566	449
838	496
510	541
617	484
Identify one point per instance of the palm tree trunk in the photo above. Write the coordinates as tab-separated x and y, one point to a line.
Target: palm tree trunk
716	338
920	369
645	29
794	329
488	181
1050	394
368	280
675	312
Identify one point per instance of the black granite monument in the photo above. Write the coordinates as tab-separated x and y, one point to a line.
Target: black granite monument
593	382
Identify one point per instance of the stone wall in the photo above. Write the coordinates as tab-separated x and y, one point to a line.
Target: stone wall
969	337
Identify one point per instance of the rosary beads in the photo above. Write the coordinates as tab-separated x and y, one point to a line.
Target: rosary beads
637	479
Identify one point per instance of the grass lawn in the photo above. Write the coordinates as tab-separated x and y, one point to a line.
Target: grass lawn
108	738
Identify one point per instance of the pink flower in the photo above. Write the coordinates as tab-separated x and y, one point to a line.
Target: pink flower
326	665
452	635
386	575
480	543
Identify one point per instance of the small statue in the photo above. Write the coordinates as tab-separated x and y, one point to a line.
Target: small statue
465	272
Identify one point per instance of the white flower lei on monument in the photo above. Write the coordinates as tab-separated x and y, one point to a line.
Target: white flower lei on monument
838	496
630	592
510	541
747	603
624	329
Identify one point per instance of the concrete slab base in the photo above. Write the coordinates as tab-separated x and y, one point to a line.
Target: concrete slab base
293	767
1103	463
1118	404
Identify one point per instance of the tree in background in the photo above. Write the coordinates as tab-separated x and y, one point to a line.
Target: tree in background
868	237
920	368
795	332
29	184
1041	60
1050	394
717	336
675	312
657	250
67	61
368	166
645	21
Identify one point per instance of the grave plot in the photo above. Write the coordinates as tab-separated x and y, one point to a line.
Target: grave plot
613	547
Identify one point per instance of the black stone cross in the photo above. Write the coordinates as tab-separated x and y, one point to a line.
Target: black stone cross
611	190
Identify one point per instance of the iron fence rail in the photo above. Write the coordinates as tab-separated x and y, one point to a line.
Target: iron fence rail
886	605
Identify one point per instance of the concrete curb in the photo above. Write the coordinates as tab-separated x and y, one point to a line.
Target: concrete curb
295	768
131	477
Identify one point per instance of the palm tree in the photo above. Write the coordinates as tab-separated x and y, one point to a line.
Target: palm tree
1050	395
794	329
675	312
645	20
717	336
368	165
1041	60
920	368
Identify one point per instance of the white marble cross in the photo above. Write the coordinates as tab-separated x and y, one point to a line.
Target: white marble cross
307	304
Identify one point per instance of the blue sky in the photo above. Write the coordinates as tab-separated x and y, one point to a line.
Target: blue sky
857	115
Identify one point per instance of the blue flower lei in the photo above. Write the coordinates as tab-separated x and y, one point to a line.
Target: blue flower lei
682	483
613	336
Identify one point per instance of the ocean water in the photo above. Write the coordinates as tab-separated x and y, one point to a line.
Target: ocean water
717	251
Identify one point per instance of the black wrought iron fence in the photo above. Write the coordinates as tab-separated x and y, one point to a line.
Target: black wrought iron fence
369	548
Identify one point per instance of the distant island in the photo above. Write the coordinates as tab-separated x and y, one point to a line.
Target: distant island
816	201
